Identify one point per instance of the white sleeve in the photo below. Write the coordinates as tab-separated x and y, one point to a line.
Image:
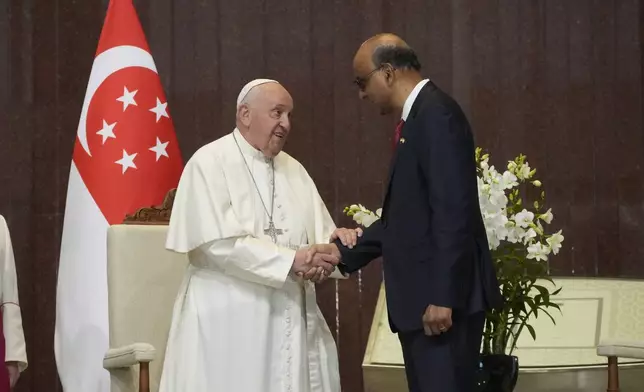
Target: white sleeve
251	259
15	350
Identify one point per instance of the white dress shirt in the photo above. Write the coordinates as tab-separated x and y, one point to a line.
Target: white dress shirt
409	102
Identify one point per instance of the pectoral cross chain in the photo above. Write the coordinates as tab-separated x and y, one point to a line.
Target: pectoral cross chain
272	231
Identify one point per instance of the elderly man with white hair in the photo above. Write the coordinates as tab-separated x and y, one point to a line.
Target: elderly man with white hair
245	212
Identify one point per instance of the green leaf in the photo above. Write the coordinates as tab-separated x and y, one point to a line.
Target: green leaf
532	332
523	307
554	305
544	292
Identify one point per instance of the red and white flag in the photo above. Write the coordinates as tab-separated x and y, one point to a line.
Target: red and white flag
125	157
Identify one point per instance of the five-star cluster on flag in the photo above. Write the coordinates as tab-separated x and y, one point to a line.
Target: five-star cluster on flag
107	131
133	150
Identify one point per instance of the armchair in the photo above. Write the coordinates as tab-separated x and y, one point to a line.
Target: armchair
143	281
612	349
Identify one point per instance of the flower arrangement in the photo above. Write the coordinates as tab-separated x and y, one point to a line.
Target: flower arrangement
519	243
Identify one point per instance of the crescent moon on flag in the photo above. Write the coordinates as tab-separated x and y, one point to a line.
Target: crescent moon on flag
105	64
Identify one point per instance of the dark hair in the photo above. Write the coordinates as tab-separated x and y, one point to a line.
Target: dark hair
399	57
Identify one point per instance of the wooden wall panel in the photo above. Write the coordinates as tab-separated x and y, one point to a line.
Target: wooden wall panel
606	142
629	172
560	81
321	160
556	112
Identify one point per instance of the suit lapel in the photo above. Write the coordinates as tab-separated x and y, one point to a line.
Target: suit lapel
424	93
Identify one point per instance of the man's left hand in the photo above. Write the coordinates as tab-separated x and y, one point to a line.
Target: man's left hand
348	237
437	320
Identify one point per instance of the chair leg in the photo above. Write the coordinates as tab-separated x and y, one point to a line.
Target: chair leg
144	377
613	375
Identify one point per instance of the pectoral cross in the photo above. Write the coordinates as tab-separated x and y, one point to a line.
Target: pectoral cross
272	231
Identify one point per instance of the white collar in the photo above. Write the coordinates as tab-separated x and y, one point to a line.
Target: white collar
409	102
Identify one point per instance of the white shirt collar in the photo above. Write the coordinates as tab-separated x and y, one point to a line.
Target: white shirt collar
411	98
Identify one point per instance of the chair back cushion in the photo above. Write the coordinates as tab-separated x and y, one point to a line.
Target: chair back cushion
143	281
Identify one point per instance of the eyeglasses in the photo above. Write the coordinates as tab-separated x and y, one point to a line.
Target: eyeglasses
361	82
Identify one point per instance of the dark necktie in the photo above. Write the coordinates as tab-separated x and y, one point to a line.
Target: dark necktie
398	131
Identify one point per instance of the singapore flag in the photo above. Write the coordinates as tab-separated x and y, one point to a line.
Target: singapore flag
125	157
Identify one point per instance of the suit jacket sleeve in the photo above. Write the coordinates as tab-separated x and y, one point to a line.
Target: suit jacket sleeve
368	247
450	171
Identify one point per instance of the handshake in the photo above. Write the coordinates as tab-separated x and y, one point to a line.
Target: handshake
317	262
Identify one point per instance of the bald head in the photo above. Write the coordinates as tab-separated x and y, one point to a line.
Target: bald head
384	39
386	70
383	49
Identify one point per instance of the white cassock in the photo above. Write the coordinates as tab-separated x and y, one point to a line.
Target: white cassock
15	348
241	322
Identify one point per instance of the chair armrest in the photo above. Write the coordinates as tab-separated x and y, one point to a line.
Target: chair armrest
130	355
621	348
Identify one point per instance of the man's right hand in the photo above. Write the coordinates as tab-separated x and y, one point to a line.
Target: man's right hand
323	251
330	249
315	266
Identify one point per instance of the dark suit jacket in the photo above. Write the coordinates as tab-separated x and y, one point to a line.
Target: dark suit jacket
431	234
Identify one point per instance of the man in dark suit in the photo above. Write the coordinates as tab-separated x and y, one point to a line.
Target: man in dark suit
439	276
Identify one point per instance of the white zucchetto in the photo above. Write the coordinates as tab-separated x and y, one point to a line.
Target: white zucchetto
251	85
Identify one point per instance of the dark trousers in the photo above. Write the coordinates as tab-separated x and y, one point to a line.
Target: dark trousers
447	362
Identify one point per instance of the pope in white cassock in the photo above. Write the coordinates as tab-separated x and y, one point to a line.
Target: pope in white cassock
15	351
246	317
